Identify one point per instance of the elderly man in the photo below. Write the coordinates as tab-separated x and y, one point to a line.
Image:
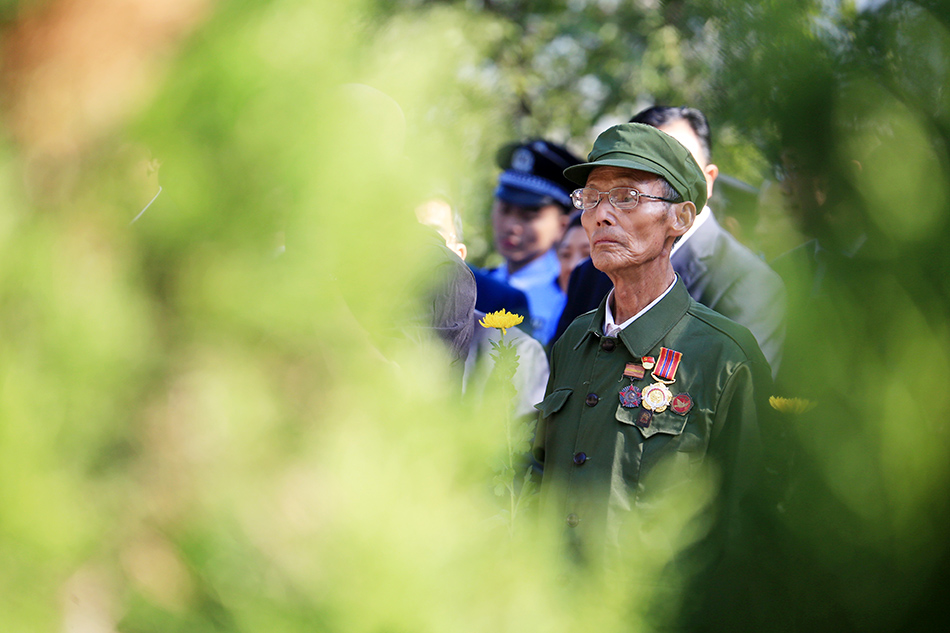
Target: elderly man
651	377
716	269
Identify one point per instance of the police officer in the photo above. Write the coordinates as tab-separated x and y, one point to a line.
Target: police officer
530	211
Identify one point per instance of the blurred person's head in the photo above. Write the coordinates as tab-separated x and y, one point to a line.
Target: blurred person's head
573	248
640	191
804	190
532	202
688	126
822	200
441	216
368	115
737	207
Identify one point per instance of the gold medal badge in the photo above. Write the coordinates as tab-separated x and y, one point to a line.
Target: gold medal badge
656	397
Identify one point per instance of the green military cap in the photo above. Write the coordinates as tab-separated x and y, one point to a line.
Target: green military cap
643	147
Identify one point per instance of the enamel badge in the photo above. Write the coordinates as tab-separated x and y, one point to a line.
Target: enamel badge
644	419
630	397
681	403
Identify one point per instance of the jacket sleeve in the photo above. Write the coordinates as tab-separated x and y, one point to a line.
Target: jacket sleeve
736	446
757	300
731	555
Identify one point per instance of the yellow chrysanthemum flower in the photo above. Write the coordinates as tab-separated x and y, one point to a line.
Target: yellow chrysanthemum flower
501	320
791	405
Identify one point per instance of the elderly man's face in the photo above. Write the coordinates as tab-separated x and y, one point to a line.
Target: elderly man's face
622	239
522	234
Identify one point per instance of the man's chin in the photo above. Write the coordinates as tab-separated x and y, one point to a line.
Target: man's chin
604	263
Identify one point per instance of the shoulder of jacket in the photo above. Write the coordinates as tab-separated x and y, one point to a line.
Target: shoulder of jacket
743	263
575	331
737	336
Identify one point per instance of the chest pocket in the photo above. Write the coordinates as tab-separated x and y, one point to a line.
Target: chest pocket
667	422
553	403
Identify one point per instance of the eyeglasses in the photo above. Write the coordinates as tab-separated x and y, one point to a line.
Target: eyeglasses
620	197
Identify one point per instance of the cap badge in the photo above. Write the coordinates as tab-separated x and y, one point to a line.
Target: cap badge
522	160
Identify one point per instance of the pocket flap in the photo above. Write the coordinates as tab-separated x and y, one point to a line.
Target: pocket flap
666	422
553	402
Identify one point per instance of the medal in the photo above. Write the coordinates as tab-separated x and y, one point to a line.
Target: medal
666	366
634	371
648	362
681	403
657	397
644	419
630	397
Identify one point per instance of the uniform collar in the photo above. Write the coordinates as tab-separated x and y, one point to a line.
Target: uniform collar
610	325
537	272
648	330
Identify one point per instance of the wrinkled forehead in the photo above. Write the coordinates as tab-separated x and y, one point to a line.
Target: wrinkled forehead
608	177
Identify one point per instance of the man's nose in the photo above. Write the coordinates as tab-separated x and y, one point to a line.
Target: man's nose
603	211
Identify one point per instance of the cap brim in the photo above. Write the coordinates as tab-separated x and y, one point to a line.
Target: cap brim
579	173
520	197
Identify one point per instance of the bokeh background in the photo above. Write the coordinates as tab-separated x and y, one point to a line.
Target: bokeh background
206	223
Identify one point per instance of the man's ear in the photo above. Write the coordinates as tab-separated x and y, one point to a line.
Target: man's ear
684	214
711	172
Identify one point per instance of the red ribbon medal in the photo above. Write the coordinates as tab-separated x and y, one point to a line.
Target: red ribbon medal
666	366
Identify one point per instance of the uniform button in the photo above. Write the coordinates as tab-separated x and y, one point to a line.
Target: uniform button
580	458
592	399
573	520
608	344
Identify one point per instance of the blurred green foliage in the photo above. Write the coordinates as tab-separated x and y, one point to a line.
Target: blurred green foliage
205	425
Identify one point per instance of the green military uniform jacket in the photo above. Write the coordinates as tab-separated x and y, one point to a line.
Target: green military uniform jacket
598	461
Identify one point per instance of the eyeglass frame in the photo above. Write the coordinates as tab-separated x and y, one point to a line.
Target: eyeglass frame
600	194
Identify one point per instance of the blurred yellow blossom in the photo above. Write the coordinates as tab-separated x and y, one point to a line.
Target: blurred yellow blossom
791	405
501	320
